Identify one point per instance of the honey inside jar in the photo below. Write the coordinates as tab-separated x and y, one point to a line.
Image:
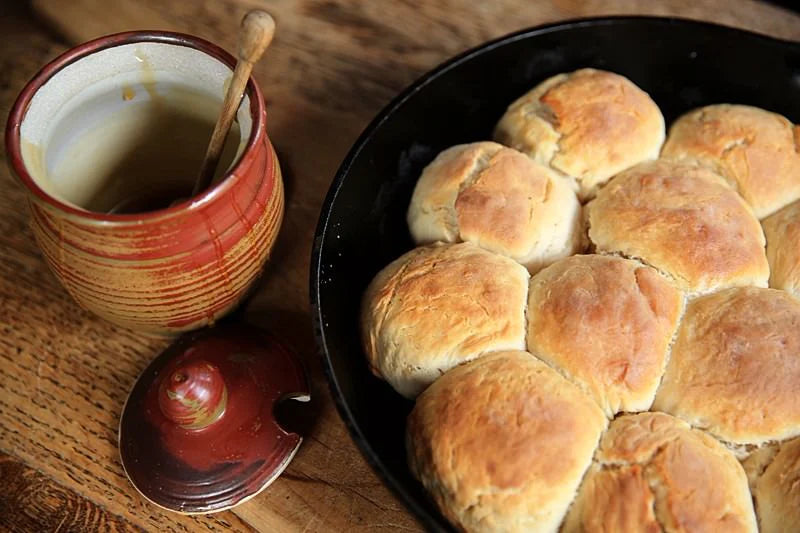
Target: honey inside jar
132	142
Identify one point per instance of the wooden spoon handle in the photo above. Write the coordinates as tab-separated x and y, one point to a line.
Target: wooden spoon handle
256	34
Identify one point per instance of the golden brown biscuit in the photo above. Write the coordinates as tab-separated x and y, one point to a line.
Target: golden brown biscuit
776	489
755	150
782	231
606	323
685	221
501	443
654	473
589	124
735	366
499	199
438	306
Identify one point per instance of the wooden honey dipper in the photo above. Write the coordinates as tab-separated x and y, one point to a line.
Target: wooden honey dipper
257	30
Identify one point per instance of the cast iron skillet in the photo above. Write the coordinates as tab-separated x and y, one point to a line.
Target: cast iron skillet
362	227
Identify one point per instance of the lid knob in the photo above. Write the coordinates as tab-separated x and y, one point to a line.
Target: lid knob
193	395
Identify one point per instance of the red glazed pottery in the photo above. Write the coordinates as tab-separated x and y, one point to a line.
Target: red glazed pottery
179	266
199	433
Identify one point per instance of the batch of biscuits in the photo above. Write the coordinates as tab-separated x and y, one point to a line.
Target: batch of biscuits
600	325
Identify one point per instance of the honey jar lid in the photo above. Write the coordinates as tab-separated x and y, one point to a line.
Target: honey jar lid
198	433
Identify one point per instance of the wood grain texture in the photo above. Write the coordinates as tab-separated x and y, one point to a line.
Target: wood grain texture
34	502
64	374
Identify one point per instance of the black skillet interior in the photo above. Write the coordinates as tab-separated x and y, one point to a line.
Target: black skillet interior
362	227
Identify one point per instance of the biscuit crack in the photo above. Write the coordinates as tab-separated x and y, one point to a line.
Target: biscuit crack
541	109
647	298
584	387
737	143
619	253
773	447
644	462
741	451
654	481
660	492
673	339
481	164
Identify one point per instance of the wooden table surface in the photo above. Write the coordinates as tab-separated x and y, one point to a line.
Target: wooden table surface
65	374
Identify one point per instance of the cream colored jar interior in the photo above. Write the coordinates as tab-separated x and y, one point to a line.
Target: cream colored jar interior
131	121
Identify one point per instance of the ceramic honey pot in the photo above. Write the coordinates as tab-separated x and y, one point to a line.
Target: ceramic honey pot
109	140
129	115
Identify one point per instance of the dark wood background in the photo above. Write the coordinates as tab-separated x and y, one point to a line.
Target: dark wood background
64	374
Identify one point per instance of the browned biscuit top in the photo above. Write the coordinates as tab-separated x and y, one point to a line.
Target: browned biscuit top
502	442
499	199
735	366
685	221
757	151
606	323
440	305
654	473
588	124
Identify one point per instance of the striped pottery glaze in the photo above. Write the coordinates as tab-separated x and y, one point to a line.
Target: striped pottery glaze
172	269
